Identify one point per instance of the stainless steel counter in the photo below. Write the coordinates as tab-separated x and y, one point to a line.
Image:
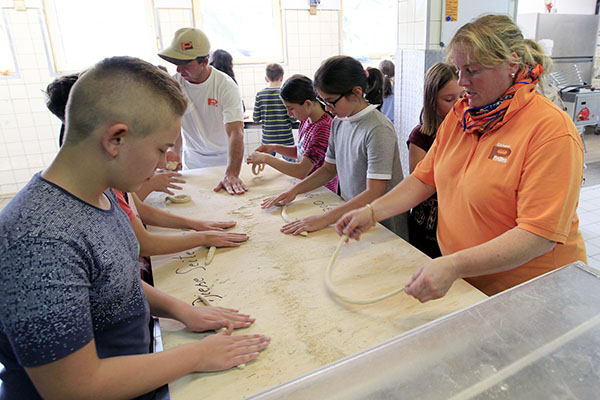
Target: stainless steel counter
539	340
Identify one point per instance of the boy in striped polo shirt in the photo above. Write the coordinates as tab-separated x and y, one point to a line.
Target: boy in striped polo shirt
270	111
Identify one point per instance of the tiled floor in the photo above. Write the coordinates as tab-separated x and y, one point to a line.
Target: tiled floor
589	222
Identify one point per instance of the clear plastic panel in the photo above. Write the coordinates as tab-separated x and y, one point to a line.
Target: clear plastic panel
538	340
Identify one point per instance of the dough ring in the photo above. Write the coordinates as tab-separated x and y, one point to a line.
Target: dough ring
210	255
180	198
287	220
334	291
258	168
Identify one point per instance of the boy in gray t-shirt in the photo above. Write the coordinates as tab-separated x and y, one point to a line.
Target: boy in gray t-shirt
74	313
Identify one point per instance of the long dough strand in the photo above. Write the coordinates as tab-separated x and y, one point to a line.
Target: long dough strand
334	291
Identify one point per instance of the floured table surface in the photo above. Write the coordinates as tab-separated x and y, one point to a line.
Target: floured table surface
279	280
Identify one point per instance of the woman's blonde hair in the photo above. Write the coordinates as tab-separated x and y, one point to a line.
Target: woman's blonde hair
436	78
492	39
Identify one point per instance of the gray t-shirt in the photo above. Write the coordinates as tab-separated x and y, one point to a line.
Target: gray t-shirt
69	273
364	146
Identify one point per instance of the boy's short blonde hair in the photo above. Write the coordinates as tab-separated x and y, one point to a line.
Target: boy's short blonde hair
123	90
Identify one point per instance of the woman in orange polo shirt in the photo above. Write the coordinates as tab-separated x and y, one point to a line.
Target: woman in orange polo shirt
506	164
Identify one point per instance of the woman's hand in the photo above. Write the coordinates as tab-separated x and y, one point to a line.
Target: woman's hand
308	224
433	279
223	351
354	223
281	200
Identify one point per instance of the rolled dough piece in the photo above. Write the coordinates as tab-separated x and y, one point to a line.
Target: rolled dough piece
257	168
204	300
334	291
180	198
210	255
287	220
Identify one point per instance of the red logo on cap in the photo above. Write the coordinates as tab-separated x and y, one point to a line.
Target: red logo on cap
213	102
186	46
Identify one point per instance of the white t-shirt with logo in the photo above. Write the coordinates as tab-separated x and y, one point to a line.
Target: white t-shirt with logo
213	103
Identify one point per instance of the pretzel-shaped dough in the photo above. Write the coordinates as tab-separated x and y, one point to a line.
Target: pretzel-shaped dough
258	168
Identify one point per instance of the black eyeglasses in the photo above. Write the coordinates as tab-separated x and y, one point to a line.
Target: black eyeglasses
330	104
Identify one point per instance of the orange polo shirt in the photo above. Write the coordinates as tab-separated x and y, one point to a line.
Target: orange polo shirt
526	173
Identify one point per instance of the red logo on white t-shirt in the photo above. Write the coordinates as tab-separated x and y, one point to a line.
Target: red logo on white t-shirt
213	102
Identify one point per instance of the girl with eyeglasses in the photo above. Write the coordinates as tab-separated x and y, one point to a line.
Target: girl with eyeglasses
362	150
300	99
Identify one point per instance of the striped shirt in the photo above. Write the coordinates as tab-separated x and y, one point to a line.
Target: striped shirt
313	138
276	123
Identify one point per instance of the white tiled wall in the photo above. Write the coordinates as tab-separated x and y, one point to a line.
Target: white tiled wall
29	133
412	22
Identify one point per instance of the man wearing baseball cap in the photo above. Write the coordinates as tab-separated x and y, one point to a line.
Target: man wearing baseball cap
212	127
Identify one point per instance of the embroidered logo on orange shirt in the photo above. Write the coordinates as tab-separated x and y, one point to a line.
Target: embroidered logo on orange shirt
500	152
187	46
213	102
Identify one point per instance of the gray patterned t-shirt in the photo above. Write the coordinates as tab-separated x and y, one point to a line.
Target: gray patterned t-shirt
69	273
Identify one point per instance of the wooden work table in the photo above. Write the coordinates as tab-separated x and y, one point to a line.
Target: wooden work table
279	280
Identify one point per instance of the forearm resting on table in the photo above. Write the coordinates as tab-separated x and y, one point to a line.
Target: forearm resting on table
163	305
152	244
505	252
82	375
155	216
402	198
235	136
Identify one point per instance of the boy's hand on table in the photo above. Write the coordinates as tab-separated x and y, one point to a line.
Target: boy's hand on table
223	351
200	319
221	239
199	225
232	184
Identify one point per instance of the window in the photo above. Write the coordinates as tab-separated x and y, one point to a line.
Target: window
82	32
7	58
249	30
370	30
